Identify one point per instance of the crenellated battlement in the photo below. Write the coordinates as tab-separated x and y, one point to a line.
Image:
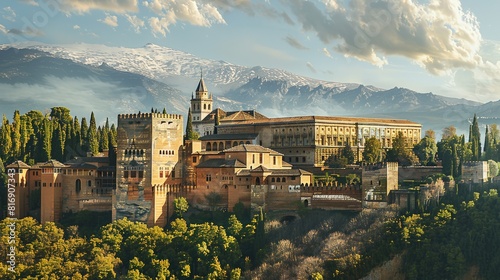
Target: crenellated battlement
149	115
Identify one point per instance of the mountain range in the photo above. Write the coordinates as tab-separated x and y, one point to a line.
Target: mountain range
113	80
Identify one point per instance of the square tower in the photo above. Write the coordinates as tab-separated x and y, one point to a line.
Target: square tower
148	147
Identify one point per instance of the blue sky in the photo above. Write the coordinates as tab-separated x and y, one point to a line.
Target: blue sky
448	47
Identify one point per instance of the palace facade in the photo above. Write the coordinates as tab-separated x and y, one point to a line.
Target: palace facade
242	157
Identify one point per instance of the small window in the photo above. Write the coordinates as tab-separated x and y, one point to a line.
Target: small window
208	178
194	159
89	183
78	186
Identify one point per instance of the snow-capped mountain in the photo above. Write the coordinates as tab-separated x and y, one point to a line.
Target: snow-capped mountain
133	79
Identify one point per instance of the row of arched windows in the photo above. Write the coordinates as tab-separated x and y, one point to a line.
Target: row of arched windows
220	145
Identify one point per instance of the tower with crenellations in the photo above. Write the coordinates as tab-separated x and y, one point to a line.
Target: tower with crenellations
148	147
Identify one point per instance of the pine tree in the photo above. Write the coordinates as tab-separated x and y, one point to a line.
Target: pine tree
92	136
347	153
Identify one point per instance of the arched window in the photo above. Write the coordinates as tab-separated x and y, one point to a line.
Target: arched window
257	181
78	186
208	106
221	146
209	147
89	183
204	106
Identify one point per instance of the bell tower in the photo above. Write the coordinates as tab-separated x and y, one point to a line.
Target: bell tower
201	104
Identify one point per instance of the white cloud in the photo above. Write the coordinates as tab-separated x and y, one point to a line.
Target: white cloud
438	35
195	12
136	22
80	6
30	2
327	53
76	27
110	20
311	67
295	43
9	14
3	29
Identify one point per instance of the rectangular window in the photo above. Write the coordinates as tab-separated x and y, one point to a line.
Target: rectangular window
260	158
208	177
194	159
274	160
161	173
125	174
133	174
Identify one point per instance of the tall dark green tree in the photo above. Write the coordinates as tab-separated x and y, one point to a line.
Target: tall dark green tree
92	135
190	134
57	149
16	135
112	136
475	139
84	131
5	140
44	144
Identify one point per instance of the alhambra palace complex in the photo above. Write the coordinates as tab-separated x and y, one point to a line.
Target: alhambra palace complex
243	156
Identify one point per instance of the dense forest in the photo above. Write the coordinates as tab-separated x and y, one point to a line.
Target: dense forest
36	137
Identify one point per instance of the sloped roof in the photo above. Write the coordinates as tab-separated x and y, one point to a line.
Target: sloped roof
243	136
201	86
18	164
260	168
52	163
274	172
220	162
242	115
88	159
251	148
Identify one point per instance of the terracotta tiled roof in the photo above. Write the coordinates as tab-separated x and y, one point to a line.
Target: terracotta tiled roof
18	164
251	148
220	162
247	136
52	163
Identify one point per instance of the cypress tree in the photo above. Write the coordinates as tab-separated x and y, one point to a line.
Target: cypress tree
69	143
5	140
189	127
92	136
44	144
164	110
57	143
77	137
475	134
16	136
112	136
84	144
24	137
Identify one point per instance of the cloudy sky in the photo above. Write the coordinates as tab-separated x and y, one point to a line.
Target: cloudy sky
448	47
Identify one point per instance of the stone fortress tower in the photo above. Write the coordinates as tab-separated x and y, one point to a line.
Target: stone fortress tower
147	159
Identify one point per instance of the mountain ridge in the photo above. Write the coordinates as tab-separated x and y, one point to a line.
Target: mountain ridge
172	74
